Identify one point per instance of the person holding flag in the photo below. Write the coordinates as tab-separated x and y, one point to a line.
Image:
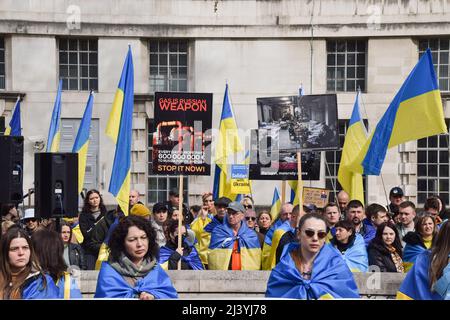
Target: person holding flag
119	129
54	133
15	126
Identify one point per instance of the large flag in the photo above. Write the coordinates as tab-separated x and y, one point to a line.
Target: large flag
15	126
228	145
54	133
356	137
119	128
416	112
276	205
81	144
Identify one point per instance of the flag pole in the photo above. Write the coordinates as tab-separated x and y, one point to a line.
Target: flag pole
283	192
180	217
299	184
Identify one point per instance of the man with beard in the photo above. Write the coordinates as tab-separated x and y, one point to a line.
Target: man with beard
356	215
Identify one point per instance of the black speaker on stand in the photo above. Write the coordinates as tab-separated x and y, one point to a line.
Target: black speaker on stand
56	185
11	169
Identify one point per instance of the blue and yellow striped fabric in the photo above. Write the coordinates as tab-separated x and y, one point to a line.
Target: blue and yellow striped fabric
81	144
203	237
330	278
416	285
410	254
277	234
355	138
54	133
221	246
356	256
119	128
15	127
276	205
416	112
227	145
267	246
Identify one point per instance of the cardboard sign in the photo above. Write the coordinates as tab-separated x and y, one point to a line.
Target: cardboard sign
317	196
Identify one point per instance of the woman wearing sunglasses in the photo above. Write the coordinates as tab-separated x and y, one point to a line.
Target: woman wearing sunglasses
250	219
310	269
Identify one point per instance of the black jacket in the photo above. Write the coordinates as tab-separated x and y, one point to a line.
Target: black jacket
175	256
101	228
87	222
380	256
414	238
76	256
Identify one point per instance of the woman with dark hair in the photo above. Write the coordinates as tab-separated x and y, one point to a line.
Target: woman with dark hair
264	221
419	240
9	212
351	246
311	269
93	210
49	249
73	253
170	254
385	250
21	277
132	269
429	278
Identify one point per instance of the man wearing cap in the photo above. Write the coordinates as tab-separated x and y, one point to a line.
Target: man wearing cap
233	245
396	197
221	205
30	221
173	204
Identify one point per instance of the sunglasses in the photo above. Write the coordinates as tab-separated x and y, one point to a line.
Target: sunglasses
248	206
250	218
320	234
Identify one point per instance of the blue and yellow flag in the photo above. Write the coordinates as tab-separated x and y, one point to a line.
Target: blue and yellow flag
416	112
330	278
81	144
276	205
221	247
416	285
228	145
54	133
15	126
356	137
119	128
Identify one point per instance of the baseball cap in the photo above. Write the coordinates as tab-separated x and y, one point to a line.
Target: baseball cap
29	214
396	192
236	206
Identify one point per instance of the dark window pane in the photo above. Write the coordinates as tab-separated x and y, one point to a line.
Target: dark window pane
361	84
443	170
84	84
350	72
340	73
432	142
83	58
182	85
153	59
73	84
421	197
163	46
73	71
173	60
83	45
93	71
361	59
421	184
182	72
330	85
422	143
93	84
361	72
443	156
93	58
331	73
421	157
340	59
331	46
153	46
443	185
432	170
351	59
173	46
182	46
432	157
163	59
73	45
351	85
351	46
73	58
422	170
443	141
84	71
434	44
62	44
443	84
340	85
65	84
153	71
93	45
62	57
340	46
63	71
182	58
331	59
361	45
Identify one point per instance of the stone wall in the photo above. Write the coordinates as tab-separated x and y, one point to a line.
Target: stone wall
209	284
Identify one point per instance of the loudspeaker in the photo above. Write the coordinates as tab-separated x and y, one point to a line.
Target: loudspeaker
11	169
56	185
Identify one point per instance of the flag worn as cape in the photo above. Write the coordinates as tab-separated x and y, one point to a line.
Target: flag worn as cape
193	259
34	288
356	256
416	285
278	233
330	279
221	246
203	238
267	246
111	284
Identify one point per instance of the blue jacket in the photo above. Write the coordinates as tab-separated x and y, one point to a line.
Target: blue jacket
33	288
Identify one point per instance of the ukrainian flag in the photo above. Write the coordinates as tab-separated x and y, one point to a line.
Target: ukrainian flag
416	112
119	128
15	127
356	137
294	192
81	144
227	145
276	205
54	133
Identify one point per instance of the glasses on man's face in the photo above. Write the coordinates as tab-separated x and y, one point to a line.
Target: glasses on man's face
248	206
320	234
250	218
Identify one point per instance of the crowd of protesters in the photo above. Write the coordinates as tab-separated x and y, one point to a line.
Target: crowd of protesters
312	252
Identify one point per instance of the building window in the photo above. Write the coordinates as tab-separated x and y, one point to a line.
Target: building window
2	63
433	167
346	65
78	64
332	160
159	186
440	53
168	65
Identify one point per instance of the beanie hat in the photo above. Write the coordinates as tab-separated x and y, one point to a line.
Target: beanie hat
140	210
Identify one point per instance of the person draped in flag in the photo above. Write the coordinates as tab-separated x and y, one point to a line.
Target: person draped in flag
311	269
132	269
233	245
429	278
